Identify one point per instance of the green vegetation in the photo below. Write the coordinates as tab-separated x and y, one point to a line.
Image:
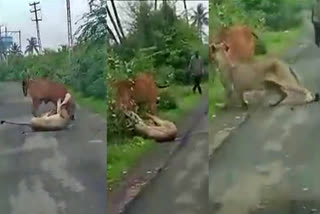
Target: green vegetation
278	42
161	42
84	71
124	154
278	24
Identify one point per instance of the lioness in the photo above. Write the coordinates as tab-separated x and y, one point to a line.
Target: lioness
259	75
159	130
48	122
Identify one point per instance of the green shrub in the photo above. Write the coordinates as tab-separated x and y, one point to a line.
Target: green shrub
167	101
260	47
181	76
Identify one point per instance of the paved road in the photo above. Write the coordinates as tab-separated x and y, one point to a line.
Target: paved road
270	165
50	173
183	187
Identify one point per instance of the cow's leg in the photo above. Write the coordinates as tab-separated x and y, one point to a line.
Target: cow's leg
35	105
54	110
153	107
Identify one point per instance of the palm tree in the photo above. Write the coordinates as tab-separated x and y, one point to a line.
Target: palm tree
15	50
117	18
32	46
186	10
200	18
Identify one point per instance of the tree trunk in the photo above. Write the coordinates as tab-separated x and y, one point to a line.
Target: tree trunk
117	18
155	4
111	34
186	10
114	24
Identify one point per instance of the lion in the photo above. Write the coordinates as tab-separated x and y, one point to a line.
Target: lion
142	90
266	74
159	130
47	121
241	40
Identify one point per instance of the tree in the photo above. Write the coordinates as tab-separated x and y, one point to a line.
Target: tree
90	3
15	50
3	52
200	18
117	18
155	4
186	10
32	46
94	27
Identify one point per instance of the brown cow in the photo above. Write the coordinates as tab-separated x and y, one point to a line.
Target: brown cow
141	90
241	41
44	90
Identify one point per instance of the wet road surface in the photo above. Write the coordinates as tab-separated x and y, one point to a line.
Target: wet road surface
270	165
182	188
50	173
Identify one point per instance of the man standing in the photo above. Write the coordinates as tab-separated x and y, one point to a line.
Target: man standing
196	68
315	17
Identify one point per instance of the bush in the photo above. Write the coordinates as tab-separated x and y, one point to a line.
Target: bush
85	73
181	76
167	101
278	14
261	47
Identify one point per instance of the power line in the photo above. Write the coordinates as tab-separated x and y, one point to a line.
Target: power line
37	19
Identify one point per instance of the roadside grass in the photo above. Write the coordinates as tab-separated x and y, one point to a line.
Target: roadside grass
95	105
122	156
126	153
276	42
279	42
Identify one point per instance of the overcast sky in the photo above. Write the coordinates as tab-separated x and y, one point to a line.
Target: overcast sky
191	4
15	14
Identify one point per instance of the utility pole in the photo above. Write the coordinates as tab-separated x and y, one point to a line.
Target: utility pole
37	19
70	38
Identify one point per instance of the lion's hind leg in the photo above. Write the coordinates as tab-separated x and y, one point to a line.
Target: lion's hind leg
273	86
